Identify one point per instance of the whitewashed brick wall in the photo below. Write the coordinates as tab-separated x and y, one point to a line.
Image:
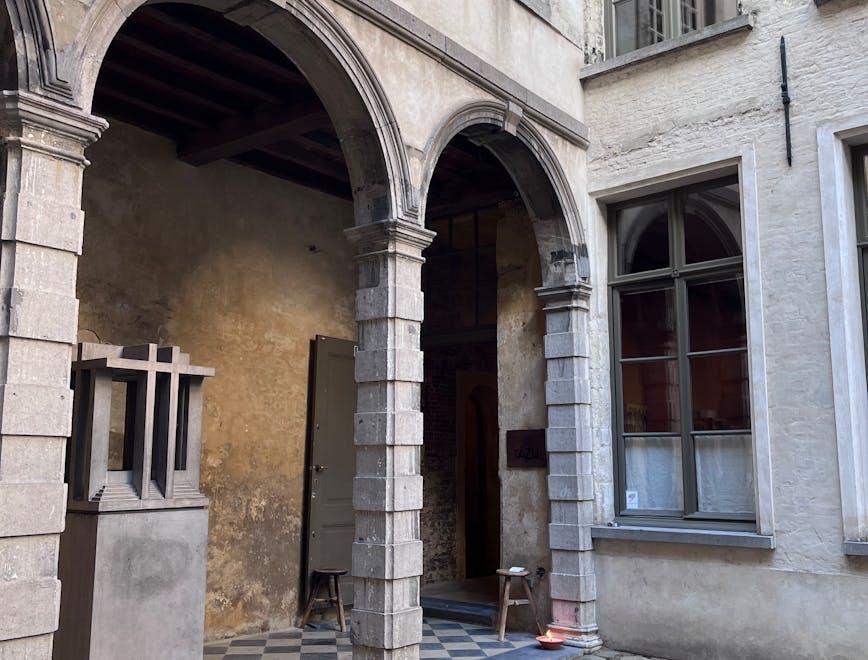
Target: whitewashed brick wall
726	93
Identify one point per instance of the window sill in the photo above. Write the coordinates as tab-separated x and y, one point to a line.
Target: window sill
737	24
731	539
856	548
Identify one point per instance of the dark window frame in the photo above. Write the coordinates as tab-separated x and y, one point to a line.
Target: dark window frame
858	156
679	274
672	13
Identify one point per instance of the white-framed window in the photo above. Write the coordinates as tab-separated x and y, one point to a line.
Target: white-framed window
843	203
703	172
635	24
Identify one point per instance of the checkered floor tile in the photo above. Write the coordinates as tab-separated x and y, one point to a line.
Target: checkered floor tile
441	639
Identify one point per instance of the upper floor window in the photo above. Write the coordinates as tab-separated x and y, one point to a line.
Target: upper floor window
638	23
683	432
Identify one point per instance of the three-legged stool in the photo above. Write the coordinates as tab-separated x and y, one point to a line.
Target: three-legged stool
327	576
504	601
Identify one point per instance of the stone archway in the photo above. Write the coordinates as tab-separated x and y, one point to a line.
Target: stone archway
46	126
565	293
319	46
536	172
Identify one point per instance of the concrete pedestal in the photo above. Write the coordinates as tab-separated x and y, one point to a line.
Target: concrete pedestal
133	585
133	555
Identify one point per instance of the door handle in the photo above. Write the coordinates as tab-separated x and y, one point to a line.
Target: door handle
320	468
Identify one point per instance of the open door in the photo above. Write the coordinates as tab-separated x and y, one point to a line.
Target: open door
331	461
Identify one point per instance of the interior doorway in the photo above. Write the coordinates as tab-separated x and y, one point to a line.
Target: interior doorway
330	462
461	517
479	485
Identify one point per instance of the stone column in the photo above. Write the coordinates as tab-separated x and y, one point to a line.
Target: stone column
41	165
387	493
569	445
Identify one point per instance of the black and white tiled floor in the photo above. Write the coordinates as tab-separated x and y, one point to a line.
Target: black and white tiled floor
441	639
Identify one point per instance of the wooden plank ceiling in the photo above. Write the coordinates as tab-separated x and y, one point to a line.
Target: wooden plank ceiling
221	91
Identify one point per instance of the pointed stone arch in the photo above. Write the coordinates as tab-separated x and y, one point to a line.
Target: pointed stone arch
536	172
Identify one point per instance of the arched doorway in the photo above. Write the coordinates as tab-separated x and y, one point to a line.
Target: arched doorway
506	229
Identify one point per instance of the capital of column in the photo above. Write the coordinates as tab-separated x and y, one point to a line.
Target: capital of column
565	296
23	114
393	235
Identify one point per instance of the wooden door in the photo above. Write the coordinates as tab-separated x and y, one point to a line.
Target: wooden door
331	460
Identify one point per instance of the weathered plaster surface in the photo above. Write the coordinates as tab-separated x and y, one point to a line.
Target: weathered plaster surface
241	270
563	15
503	33
422	92
727	93
521	394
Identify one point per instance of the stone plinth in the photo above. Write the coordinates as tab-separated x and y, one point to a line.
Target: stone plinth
133	555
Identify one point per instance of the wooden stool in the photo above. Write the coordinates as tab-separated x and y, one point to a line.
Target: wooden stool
503	602
328	575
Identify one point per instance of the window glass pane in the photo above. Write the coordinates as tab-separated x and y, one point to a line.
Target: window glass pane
464	232
465	290
652	22
720	392
651	397
716	311
625	26
487	226
654	479
724	474
712	224
643	238
441	226
696	14
648	323
860	187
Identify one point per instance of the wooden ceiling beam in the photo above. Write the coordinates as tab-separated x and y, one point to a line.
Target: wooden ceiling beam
158	20
156	109
145	81
313	161
297	174
158	54
242	133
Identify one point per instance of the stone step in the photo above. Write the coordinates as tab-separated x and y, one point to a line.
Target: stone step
456	610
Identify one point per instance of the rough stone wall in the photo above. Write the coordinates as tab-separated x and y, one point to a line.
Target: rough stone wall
701	602
521	395
439	524
241	270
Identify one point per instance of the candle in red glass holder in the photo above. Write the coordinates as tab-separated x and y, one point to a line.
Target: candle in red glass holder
549	642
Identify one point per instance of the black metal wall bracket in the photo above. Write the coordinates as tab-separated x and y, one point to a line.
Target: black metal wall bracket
785	99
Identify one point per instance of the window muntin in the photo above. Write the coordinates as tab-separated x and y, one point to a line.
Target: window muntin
643	237
639	23
683	424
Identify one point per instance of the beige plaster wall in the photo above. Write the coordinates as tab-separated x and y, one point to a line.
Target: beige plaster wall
241	270
521	400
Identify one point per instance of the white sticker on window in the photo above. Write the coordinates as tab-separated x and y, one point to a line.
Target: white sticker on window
632	499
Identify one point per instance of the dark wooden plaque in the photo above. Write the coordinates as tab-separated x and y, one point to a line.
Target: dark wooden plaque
526	449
